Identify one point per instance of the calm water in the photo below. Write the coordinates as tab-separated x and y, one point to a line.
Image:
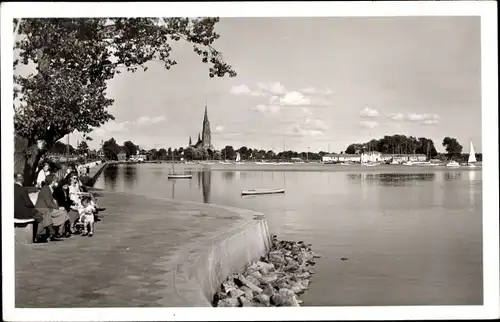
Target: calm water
412	236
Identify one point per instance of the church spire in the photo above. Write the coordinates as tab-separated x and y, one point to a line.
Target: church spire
199	137
190	143
205	117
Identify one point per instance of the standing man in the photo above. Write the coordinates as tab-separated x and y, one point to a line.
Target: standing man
24	209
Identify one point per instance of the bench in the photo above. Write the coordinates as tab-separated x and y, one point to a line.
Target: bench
24	230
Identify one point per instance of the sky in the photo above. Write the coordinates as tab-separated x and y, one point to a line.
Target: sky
310	83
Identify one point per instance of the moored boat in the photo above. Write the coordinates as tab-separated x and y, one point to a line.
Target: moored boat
179	176
472	156
453	164
261	191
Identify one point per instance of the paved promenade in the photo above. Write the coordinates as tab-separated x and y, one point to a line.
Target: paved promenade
130	262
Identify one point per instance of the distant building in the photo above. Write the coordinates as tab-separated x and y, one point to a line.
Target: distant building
334	158
373	156
122	156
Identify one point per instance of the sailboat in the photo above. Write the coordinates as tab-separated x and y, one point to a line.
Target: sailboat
174	175
238	158
472	156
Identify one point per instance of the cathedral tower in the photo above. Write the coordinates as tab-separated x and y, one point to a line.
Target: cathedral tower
206	137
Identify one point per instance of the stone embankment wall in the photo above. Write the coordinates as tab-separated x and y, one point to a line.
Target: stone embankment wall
204	266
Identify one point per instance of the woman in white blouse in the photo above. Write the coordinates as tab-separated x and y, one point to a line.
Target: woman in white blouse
40	180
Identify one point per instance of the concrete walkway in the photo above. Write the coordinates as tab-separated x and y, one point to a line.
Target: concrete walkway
131	261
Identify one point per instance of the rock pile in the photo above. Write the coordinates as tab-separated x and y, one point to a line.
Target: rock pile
275	280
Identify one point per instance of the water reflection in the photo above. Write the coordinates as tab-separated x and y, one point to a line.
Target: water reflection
204	182
472	189
390	179
130	176
228	175
452	175
111	177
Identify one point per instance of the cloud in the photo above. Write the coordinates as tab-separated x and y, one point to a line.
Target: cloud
369	112
145	120
113	127
272	88
298	130
266	109
313	90
219	129
306	111
396	116
425	118
368	124
240	89
414	117
294	99
316	124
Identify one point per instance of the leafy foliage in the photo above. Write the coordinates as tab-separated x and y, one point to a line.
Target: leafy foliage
129	148
397	144
75	57
452	147
111	149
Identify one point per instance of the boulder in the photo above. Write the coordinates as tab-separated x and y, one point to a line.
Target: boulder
242	281
253	279
268	290
229	302
228	285
268	279
265	265
257	275
288	297
248	292
262	298
243	301
236	293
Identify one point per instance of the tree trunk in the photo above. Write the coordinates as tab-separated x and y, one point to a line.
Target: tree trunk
27	155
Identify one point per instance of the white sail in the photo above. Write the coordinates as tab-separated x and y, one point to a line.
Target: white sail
472	154
238	157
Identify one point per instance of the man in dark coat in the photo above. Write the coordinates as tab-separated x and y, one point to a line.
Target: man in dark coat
24	209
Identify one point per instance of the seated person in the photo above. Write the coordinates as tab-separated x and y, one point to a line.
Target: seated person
24	209
48	205
76	192
62	196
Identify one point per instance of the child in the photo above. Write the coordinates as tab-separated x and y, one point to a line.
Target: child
86	211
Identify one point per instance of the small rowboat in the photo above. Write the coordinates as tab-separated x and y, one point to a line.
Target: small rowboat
179	176
261	191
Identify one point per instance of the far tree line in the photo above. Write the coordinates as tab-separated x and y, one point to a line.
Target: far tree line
402	144
395	144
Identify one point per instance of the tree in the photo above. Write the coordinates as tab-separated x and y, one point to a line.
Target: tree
83	147
228	152
111	149
162	154
189	153
243	152
130	148
452	147
60	148
75	57
270	155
